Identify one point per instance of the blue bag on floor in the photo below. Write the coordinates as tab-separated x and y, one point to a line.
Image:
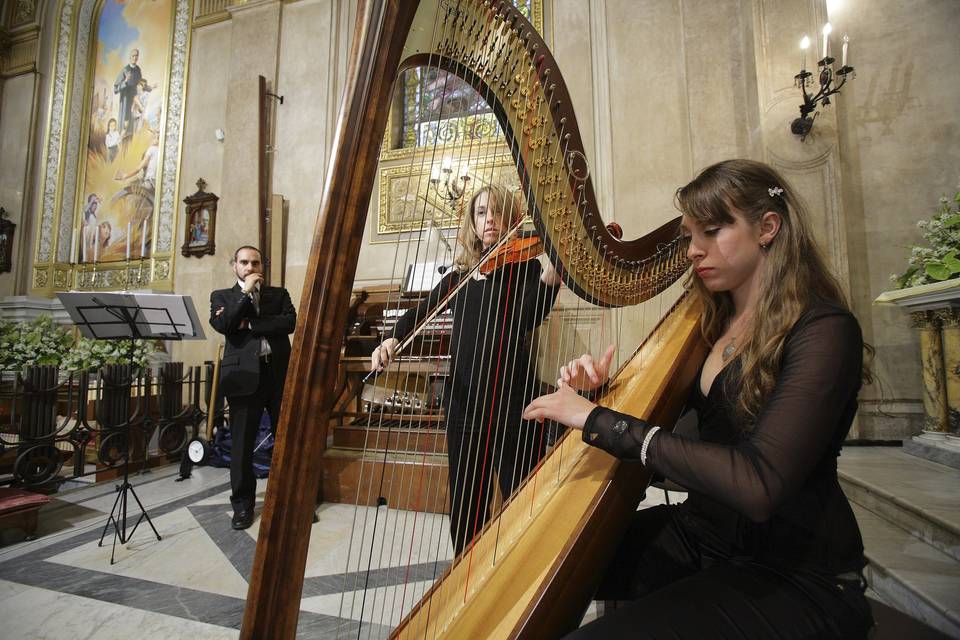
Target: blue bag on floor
262	450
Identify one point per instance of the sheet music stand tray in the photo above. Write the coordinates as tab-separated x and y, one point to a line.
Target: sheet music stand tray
131	316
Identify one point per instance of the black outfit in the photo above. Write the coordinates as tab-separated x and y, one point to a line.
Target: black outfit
491	381
249	381
766	544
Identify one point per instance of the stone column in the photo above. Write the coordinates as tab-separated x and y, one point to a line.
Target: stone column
950	321
934	378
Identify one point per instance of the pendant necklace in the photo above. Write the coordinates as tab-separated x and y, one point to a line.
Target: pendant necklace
731	347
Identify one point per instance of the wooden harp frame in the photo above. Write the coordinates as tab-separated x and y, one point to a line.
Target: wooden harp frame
597	266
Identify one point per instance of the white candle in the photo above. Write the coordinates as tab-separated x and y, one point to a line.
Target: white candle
846	45
84	250
804	45
143	241
73	246
96	245
827	28
128	241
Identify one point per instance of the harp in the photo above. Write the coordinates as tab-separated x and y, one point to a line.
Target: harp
532	570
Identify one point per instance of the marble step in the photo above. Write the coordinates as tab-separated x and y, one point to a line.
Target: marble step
915	494
909	574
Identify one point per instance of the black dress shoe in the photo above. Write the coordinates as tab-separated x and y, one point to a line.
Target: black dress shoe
242	519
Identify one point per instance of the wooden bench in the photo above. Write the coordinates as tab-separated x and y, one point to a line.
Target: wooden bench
19	509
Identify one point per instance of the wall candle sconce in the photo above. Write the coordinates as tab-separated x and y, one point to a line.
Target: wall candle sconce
449	189
826	77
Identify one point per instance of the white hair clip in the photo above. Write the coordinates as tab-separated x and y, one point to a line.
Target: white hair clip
775	191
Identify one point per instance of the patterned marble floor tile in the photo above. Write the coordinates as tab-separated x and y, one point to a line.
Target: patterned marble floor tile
43	614
187	556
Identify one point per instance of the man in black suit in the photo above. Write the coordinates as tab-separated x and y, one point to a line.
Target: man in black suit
256	319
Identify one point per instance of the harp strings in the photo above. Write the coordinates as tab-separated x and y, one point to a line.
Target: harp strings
412	542
379	431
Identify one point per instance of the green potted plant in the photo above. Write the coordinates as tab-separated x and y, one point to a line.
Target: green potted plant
939	258
93	354
38	342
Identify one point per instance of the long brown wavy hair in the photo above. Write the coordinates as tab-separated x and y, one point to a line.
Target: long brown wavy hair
793	273
501	202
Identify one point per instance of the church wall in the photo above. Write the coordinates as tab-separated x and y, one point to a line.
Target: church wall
308	77
900	150
300	48
203	157
648	110
16	113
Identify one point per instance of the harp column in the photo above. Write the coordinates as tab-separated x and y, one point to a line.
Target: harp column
935	312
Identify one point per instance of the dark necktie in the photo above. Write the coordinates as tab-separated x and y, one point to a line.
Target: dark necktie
255	295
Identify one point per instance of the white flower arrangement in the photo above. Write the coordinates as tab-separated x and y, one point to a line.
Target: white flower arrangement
940	259
41	342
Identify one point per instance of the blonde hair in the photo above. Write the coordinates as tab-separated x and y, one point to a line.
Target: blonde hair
501	202
793	273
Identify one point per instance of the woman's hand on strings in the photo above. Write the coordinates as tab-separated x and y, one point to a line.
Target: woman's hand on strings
586	374
384	354
564	405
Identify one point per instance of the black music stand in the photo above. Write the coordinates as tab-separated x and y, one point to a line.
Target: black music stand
131	316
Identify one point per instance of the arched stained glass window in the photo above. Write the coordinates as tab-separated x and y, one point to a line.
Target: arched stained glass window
432	106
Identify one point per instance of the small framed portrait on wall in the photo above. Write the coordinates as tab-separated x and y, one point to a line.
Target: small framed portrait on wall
200	222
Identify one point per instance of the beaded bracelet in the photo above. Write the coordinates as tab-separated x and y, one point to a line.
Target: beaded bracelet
646	443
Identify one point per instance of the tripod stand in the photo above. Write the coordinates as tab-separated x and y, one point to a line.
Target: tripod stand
119	519
120	524
127	315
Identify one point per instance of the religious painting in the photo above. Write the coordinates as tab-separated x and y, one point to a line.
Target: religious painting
123	129
200	222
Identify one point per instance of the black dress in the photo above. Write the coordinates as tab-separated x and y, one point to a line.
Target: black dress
766	544
491	381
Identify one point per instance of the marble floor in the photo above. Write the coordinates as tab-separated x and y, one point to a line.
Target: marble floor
192	583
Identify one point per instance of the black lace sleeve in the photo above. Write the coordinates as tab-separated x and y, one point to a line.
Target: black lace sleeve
616	433
817	384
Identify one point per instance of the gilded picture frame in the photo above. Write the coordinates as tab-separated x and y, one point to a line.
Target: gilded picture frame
200	223
408	202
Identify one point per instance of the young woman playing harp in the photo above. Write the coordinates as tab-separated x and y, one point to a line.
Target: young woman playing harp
766	545
491	378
